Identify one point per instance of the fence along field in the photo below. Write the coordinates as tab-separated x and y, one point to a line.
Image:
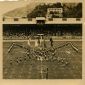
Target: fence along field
63	61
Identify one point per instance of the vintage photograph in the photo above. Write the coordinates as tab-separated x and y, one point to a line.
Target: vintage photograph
44	42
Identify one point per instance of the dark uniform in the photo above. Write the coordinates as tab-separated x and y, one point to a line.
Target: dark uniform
51	42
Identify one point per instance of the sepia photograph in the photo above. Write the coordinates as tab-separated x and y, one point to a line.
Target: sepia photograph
42	51
43	41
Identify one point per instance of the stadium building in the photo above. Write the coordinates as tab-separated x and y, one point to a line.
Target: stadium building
55	12
52	24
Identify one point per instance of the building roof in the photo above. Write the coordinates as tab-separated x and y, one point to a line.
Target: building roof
40	18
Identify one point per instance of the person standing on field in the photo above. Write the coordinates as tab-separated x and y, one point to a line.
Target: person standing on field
51	42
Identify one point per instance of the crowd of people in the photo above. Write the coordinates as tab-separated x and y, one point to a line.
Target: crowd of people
58	54
61	54
23	36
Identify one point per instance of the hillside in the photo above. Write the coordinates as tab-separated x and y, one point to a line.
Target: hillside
22	11
70	10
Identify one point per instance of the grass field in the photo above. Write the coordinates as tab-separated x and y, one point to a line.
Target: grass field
62	63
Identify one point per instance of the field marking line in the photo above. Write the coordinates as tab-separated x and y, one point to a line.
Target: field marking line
41	41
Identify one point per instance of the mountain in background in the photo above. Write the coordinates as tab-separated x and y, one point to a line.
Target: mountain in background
22	11
70	10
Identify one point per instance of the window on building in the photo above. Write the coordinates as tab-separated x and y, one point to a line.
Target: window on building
40	21
29	19
15	19
51	12
64	19
50	19
78	19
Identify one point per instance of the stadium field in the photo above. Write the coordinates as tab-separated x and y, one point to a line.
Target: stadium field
63	61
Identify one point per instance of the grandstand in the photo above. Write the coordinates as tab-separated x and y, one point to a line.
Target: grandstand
57	31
